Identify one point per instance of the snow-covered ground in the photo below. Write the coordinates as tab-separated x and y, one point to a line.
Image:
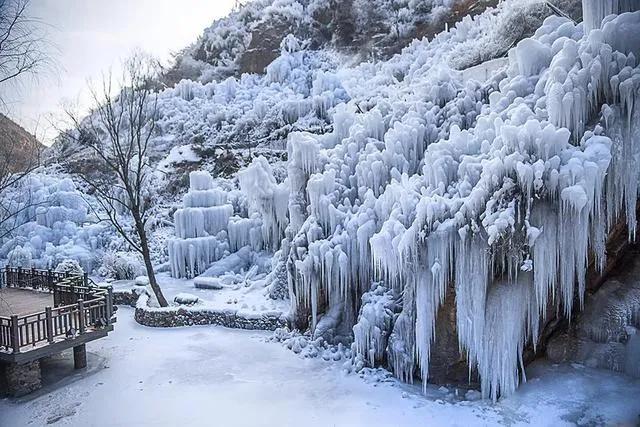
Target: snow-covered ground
249	296
212	376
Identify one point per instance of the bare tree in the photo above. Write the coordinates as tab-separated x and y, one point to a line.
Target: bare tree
22	42
118	133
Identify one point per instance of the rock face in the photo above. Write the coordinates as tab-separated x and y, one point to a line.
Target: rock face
607	333
447	365
263	48
17	146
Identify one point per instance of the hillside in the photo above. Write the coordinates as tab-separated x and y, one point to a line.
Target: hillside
365	174
17	146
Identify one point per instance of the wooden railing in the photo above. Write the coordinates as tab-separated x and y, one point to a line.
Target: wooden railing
79	307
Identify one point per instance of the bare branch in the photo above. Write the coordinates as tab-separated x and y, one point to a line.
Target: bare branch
22	43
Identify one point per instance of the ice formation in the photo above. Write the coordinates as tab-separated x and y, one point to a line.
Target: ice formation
267	201
501	189
207	230
200	228
53	224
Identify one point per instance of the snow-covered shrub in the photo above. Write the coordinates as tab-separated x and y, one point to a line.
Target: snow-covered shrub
70	266
20	257
121	265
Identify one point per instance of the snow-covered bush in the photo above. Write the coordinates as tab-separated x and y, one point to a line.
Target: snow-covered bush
121	265
70	266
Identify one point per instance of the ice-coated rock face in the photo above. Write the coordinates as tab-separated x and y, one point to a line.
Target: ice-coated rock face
503	191
607	333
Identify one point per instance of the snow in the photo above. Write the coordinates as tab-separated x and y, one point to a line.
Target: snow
236	378
184	298
245	291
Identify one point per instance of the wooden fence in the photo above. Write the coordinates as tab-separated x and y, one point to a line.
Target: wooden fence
79	307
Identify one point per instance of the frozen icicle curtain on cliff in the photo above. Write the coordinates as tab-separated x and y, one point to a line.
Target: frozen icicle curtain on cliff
501	191
594	11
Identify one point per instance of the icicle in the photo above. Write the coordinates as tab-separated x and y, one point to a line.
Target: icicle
190	257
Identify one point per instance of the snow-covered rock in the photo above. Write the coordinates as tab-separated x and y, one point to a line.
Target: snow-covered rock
186	299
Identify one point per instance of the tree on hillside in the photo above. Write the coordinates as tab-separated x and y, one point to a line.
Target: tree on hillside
118	132
22	42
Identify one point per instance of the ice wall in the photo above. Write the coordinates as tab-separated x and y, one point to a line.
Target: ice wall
503	190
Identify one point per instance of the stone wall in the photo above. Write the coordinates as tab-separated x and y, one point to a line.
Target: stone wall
194	315
19	380
128	297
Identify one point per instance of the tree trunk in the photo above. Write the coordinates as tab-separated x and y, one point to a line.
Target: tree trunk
149	267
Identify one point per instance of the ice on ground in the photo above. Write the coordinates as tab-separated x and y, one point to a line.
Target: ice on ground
202	376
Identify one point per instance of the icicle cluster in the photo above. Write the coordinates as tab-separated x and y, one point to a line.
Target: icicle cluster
267	201
207	230
594	11
503	192
52	224
201	228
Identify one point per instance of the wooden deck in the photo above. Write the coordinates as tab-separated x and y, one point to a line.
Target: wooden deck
43	312
19	302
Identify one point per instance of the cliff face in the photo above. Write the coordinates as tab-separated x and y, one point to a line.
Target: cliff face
606	334
18	148
249	38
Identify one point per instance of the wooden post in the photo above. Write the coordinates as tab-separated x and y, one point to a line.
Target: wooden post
49	324
81	319
80	356
109	304
15	334
86	279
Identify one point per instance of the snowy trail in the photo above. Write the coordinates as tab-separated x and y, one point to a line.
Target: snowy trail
211	376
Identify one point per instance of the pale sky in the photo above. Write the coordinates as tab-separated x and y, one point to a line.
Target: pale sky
90	36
